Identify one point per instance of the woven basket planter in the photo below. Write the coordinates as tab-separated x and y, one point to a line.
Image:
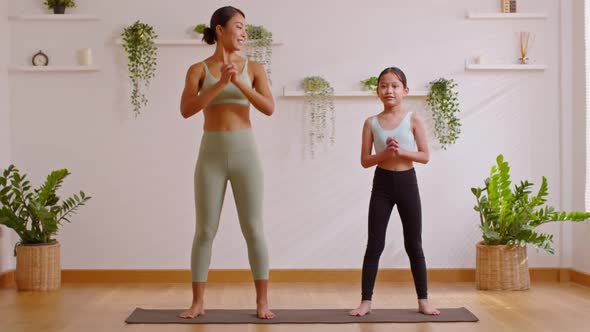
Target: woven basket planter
38	267
501	268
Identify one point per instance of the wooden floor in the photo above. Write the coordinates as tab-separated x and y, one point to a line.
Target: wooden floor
547	306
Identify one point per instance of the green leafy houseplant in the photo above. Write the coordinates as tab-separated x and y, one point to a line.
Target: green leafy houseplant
370	84
443	102
50	4
200	28
319	101
259	46
59	6
510	217
138	41
35	214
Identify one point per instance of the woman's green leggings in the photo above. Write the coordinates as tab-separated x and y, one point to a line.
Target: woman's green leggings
228	155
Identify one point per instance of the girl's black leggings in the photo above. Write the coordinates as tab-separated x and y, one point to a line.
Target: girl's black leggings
392	188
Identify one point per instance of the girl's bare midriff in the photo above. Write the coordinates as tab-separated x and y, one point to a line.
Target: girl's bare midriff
396	164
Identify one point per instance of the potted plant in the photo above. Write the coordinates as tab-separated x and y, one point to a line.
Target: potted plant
370	84
36	215
199	30
508	220
319	101
138	41
443	102
59	6
259	46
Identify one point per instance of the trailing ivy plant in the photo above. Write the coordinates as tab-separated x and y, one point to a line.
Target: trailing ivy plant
443	102
510	217
138	41
370	84
35	214
259	46
319	102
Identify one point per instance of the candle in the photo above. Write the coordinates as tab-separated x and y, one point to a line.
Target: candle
480	59
85	57
505	6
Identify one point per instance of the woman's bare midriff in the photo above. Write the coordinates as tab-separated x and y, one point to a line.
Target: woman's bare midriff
397	165
227	117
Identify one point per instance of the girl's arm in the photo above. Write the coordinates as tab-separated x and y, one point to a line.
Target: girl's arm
192	101
261	96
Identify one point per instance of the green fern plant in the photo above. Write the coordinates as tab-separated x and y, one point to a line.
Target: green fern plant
443	102
35	214
510	216
138	41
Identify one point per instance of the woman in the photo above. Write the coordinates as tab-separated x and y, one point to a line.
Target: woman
399	138
223	86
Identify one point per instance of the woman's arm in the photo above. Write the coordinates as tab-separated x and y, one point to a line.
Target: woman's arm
368	159
261	96
192	101
419	130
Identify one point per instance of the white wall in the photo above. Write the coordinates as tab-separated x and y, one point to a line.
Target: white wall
581	260
6	236
139	171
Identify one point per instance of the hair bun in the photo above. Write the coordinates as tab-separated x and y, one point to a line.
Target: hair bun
209	36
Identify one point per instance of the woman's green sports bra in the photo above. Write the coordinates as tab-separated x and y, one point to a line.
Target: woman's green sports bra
230	94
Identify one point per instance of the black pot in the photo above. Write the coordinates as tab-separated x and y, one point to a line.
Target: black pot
59	9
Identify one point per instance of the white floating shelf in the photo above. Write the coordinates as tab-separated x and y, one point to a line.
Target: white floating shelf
358	93
515	67
54	68
181	42
54	17
502	16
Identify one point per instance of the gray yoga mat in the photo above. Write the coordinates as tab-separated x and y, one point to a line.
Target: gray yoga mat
307	316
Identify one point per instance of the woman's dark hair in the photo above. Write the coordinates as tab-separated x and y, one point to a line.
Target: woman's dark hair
220	17
397	72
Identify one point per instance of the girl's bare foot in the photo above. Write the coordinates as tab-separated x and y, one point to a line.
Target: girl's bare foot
425	308
263	312
363	309
195	310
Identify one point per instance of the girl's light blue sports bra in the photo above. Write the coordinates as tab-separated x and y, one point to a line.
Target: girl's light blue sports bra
230	94
403	133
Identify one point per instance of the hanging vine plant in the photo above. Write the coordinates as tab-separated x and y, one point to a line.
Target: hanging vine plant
443	102
259	46
138	41
319	103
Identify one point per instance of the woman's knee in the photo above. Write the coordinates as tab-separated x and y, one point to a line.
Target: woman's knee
253	233
205	235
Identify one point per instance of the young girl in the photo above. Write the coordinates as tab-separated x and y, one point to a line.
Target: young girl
399	138
224	86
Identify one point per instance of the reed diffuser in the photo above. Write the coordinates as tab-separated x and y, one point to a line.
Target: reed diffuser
526	40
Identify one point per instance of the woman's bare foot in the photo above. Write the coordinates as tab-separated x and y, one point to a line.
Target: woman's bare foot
263	312
425	308
195	310
363	309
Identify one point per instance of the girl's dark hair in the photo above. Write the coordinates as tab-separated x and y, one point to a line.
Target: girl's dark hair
397	72
220	17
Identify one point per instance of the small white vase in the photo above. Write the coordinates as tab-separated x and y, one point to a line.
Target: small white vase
85	57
